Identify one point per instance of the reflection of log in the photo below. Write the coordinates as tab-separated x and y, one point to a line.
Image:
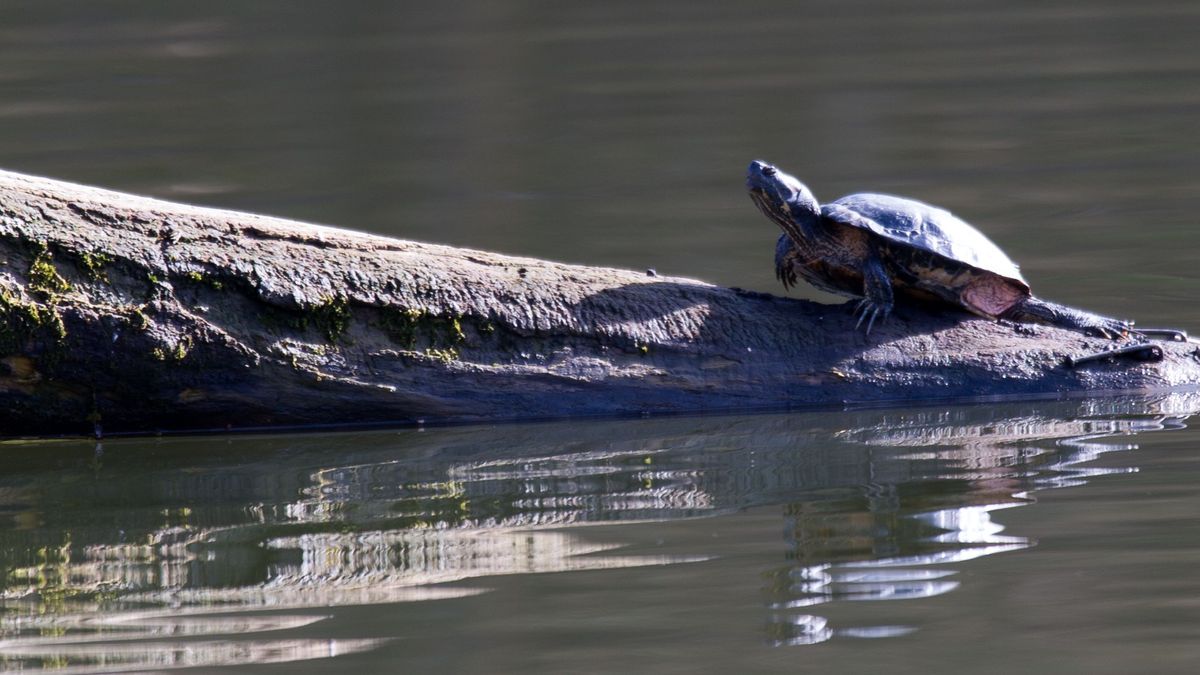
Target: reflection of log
148	314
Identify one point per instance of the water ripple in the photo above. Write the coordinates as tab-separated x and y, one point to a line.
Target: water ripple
168	553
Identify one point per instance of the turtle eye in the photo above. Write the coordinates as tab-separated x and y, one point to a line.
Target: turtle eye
768	171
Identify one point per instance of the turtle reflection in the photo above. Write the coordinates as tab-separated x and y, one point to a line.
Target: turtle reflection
142	540
891	541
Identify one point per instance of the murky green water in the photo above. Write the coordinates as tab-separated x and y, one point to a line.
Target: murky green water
1032	538
916	540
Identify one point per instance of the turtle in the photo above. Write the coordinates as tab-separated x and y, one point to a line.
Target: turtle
875	246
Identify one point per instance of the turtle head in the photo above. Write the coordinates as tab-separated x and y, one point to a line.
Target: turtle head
782	198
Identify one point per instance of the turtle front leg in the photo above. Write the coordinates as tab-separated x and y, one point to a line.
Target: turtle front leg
1036	310
785	256
878	297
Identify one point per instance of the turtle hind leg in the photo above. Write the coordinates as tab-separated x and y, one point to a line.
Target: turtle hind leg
878	297
1036	310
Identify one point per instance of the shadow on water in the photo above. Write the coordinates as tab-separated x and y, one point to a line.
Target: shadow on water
181	552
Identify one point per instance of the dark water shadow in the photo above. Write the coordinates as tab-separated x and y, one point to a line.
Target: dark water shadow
119	554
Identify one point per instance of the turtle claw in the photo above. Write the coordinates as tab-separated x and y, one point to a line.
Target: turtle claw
860	318
1113	329
874	315
867	308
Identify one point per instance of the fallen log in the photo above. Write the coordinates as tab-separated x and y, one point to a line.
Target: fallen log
144	315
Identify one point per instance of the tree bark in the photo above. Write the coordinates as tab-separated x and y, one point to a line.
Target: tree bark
146	315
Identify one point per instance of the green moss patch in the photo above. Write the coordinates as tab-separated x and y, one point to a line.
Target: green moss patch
93	265
332	317
444	355
24	322
43	277
136	317
177	353
200	279
409	328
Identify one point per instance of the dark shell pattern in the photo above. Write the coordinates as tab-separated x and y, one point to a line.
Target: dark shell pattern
907	222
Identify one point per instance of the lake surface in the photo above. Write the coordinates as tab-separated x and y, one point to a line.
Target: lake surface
1040	537
968	539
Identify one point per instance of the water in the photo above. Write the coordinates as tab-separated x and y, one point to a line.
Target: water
931	540
618	133
1030	537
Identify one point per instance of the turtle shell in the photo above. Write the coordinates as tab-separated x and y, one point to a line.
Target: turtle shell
910	223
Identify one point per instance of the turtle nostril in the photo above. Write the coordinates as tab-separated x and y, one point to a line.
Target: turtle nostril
768	171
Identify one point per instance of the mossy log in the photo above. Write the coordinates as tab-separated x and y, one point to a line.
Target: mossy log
145	315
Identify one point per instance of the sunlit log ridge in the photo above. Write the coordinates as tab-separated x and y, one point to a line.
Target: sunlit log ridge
139	314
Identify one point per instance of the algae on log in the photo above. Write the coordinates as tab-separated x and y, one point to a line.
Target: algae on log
151	315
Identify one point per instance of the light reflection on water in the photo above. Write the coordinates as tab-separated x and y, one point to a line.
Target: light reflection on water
163	546
1037	453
